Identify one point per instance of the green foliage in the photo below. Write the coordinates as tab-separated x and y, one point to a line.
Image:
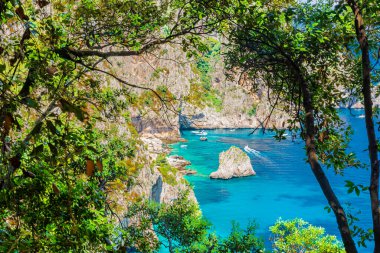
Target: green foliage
168	172
213	99
69	207
362	235
293	236
302	53
178	224
154	100
252	111
182	228
279	134
158	71
62	143
352	187
202	97
239	240
202	93
205	61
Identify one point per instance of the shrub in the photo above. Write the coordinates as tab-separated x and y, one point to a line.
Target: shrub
297	235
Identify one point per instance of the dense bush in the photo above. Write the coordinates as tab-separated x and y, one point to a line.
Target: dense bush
294	236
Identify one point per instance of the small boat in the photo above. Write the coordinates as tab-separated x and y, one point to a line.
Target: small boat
361	116
232	130
183	146
203	138
202	132
283	136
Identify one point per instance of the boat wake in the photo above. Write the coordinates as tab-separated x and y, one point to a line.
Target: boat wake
252	151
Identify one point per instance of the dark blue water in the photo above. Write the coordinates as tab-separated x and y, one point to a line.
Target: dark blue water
283	187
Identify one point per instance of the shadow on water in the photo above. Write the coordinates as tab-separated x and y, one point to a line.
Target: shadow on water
304	201
217	193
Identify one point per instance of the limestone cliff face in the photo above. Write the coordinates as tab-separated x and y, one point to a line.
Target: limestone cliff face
233	114
150	183
354	103
233	163
236	113
237	106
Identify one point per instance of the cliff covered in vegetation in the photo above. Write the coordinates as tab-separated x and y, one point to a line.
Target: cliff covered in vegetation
197	91
90	89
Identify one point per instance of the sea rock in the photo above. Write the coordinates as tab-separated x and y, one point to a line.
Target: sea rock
150	183
188	172
357	105
233	163
178	162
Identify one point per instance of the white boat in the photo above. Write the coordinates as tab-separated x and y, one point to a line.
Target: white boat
199	132
361	116
283	135
183	146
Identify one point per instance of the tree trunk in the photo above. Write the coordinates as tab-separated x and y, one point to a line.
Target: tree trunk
372	148
319	174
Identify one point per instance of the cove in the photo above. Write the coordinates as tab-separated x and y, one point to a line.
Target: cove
283	187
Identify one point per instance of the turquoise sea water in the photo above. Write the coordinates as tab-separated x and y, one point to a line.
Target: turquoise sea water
283	187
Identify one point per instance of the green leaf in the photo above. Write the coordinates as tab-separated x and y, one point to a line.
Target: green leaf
357	191
69	107
37	150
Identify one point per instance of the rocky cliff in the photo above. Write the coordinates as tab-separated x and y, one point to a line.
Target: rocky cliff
153	181
148	173
199	94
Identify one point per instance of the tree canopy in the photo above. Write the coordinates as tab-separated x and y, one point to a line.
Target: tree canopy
57	158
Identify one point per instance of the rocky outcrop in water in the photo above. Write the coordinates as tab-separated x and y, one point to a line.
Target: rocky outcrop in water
180	163
233	163
151	183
